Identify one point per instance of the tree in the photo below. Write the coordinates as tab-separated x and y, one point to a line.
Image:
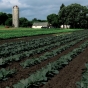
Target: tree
8	22
34	20
62	6
9	15
53	19
73	15
3	18
61	16
23	22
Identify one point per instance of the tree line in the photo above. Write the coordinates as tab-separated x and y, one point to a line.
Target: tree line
74	15
6	19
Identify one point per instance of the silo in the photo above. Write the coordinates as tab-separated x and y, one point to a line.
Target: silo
15	16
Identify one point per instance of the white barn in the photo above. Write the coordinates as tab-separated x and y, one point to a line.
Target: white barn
40	25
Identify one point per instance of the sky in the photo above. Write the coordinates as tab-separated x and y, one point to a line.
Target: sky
39	9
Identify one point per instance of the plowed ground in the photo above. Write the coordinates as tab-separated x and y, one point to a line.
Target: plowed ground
66	78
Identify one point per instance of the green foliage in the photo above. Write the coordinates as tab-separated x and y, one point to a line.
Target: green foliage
3	18
53	20
39	77
16	51
6	19
38	20
34	61
44	74
4	74
23	22
9	15
8	22
74	15
20	32
62	6
84	79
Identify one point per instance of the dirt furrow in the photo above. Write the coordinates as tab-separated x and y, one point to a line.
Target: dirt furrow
23	39
29	38
70	74
24	73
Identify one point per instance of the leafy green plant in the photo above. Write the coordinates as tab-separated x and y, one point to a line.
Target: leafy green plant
4	74
84	79
41	76
47	55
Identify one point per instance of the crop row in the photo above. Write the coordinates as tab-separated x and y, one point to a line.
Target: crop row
46	40
18	57
47	55
33	44
25	47
4	74
43	75
84	79
21	42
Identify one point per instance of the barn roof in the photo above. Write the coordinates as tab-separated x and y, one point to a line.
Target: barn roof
40	23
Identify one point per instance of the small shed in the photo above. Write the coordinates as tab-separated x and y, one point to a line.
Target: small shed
40	25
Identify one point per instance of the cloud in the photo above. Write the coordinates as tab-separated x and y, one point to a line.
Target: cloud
36	8
7	4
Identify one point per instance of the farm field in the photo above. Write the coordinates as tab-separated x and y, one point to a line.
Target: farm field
46	61
8	33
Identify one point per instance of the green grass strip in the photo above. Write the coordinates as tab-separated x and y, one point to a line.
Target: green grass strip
24	32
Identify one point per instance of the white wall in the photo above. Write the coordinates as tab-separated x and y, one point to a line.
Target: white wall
36	26
65	26
61	26
68	26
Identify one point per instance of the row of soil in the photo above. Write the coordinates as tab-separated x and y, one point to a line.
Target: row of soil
13	50
24	73
28	38
24	59
23	39
33	56
70	74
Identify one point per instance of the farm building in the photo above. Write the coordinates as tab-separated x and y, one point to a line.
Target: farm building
15	16
40	25
65	26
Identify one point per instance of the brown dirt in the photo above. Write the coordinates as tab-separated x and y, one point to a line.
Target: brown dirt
70	74
29	38
24	73
31	57
21	39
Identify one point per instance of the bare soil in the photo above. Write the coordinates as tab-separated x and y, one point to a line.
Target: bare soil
24	73
29	38
66	78
70	74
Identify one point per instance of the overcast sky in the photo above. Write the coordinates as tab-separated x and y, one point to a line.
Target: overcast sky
36	8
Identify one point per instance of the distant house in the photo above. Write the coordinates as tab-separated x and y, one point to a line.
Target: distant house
40	25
